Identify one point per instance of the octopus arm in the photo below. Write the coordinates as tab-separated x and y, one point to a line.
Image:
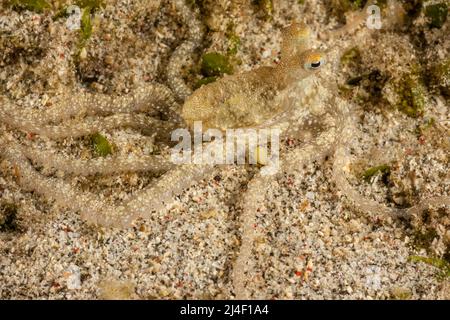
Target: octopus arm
151	98
321	141
101	166
156	197
364	204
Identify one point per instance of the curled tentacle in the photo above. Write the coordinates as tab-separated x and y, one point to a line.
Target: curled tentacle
341	169
58	190
177	60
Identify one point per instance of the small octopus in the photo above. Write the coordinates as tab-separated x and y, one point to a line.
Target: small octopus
247	99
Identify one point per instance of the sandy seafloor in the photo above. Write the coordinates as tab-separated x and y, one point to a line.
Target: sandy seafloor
310	243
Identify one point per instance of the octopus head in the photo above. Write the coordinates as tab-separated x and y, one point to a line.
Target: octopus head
297	31
296	39
298	60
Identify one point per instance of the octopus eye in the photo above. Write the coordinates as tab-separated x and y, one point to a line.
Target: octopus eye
313	60
314	65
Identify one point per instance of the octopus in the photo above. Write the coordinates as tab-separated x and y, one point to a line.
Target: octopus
292	96
247	99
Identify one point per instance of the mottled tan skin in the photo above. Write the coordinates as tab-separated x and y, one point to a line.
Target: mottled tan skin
247	99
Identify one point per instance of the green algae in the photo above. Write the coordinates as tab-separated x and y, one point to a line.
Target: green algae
371	172
31	5
441	264
86	26
411	96
439	76
234	43
94	4
204	81
351	57
215	64
82	4
101	145
89	8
